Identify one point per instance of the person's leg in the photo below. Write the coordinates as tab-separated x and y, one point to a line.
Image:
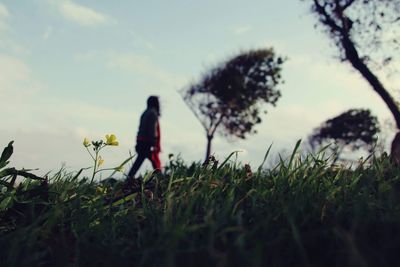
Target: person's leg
142	150
155	160
136	165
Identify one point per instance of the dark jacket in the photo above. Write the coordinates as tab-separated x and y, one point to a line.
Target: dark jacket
148	126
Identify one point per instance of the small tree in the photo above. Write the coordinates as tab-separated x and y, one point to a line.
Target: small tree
229	97
353	129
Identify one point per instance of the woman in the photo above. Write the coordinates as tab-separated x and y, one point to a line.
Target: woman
148	143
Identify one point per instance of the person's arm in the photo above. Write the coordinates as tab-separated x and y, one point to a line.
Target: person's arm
152	128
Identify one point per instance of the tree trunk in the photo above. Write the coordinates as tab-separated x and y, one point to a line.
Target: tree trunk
358	64
208	152
395	149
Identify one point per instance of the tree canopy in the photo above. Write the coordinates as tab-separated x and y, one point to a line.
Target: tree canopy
353	129
228	99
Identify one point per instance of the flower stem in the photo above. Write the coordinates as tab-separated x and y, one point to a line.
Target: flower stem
90	153
95	165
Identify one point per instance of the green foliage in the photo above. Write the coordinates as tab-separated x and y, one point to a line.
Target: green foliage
303	212
231	93
354	129
7	152
8	176
229	98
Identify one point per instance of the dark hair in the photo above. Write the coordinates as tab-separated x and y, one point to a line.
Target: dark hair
152	102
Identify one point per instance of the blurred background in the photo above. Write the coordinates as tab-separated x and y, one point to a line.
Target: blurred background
76	69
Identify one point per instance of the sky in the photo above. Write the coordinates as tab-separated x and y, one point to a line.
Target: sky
72	69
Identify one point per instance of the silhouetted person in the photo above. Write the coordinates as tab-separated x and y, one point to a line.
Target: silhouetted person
148	137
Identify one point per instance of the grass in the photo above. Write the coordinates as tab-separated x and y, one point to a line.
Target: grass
303	212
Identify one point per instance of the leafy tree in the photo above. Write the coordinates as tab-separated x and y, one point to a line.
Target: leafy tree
353	129
367	35
229	97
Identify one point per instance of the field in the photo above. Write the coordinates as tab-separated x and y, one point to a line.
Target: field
303	212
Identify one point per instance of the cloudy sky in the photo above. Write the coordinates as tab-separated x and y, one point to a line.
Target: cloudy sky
71	69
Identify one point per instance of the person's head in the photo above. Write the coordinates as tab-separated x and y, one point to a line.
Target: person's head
152	102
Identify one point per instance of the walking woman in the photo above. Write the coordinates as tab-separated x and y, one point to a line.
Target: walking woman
148	144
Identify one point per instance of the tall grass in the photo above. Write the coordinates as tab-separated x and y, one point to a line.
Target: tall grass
303	212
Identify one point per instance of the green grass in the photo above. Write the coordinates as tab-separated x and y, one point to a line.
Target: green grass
303	212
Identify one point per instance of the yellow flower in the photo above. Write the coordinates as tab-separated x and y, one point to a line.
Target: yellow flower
119	169
100	161
111	140
99	190
86	142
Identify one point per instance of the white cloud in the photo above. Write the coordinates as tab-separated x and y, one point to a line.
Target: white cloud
7	43
132	62
10	45
47	32
80	14
16	75
19	91
325	79
140	40
4	14
3	11
86	56
242	29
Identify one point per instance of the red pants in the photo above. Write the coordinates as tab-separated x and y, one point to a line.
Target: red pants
155	160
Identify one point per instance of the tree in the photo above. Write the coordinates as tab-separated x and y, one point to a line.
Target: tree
367	35
353	129
228	99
